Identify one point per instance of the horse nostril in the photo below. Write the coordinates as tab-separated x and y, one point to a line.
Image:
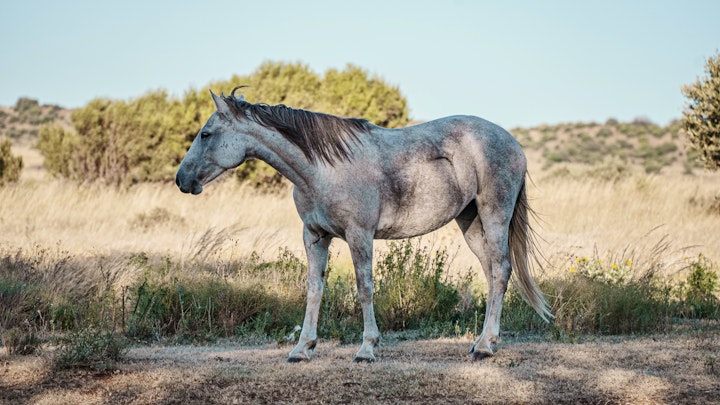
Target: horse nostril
177	181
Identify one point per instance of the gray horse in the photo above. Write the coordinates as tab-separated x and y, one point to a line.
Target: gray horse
359	182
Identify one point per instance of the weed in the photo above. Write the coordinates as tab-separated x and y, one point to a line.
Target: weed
698	292
340	313
263	299
90	348
711	365
413	289
19	341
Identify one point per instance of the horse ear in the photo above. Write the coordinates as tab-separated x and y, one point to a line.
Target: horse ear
220	104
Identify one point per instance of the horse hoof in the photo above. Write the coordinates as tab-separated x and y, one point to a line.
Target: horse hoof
359	359
293	360
479	355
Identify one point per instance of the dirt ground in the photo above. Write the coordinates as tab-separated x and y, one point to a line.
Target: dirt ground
675	368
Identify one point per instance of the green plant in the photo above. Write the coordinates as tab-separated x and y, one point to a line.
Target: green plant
413	289
264	298
259	175
699	291
90	348
701	117
340	313
598	270
19	341
10	165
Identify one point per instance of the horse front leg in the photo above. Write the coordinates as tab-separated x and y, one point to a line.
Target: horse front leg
361	249
317	256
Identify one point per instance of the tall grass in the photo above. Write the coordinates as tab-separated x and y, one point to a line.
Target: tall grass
166	301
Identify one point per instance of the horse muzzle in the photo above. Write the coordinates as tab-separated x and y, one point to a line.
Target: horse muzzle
192	186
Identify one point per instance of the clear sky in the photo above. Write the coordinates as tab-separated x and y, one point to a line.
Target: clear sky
518	63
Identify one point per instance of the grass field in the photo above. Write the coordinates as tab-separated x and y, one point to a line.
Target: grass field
658	221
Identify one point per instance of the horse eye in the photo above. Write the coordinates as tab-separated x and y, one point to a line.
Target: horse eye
204	134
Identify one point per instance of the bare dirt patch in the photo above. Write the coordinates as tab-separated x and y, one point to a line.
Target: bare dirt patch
674	368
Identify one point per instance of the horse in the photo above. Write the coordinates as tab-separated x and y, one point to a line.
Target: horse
358	182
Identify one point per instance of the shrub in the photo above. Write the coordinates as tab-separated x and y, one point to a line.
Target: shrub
19	341
702	113
413	289
340	312
121	143
10	165
15	295
90	348
265	299
699	291
609	297
259	175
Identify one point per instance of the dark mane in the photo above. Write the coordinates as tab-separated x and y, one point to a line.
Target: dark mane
320	136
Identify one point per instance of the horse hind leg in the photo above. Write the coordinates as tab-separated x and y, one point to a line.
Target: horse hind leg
487	236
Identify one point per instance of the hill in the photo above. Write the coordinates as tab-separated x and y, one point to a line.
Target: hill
613	149
22	121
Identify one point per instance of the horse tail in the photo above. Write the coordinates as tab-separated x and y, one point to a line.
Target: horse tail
522	246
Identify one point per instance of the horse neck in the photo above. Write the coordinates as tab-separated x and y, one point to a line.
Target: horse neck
284	156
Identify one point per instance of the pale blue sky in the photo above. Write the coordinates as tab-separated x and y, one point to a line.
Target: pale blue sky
518	63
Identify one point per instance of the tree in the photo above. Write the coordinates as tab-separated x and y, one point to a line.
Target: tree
352	93
10	165
124	142
701	117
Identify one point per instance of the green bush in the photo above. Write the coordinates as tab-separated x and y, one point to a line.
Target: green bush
122	143
264	300
699	291
259	175
340	312
413	289
702	113
15	295
90	348
19	341
10	165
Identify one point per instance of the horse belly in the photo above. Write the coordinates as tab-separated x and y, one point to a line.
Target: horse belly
422	206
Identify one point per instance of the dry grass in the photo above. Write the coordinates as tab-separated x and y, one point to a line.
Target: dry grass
680	368
576	218
633	216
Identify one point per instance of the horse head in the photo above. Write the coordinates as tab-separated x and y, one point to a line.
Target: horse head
217	147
